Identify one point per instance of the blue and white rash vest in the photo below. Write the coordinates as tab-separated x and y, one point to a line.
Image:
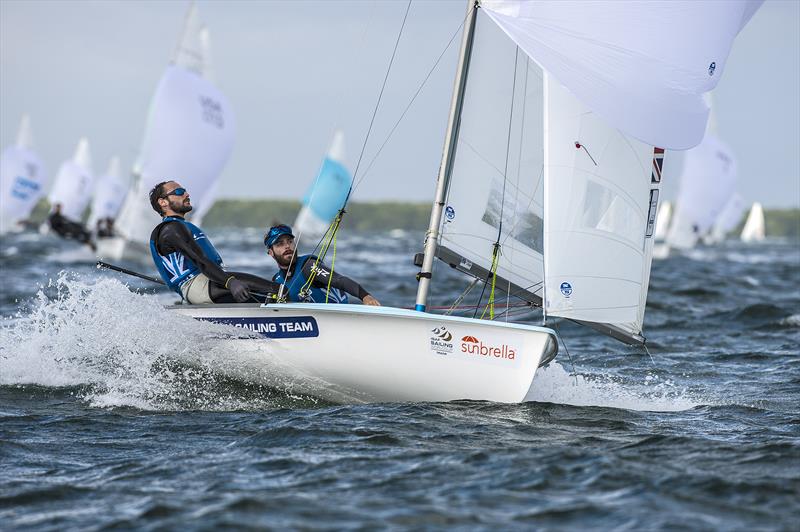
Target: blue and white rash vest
315	294
176	268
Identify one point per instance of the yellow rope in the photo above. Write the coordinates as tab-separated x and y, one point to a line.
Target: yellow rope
330	236
495	263
333	261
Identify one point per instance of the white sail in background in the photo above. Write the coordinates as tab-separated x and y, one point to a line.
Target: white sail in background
22	179
754	227
73	185
189	135
662	221
601	196
642	66
707	183
728	219
327	193
109	194
497	169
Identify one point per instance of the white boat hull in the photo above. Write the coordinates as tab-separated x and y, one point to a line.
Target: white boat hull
117	248
353	353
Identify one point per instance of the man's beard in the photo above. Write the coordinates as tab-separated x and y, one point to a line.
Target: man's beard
284	261
181	207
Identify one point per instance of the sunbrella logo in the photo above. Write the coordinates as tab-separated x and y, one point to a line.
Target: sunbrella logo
441	341
473	346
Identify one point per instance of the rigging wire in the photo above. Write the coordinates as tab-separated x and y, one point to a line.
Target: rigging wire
340	98
411	102
380	97
330	235
496	247
569	356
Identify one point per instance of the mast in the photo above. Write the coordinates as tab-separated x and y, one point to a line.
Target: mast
448	154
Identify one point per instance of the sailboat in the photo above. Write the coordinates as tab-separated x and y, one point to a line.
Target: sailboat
189	137
548	189
728	219
109	193
22	179
73	186
753	230
707	185
327	194
660	247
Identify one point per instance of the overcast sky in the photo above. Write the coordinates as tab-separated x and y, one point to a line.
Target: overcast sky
294	71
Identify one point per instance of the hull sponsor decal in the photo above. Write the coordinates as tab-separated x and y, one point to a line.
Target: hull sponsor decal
293	327
498	351
441	341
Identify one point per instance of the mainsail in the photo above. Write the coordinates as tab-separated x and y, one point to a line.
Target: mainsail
601	197
327	193
109	194
22	177
753	230
73	184
189	134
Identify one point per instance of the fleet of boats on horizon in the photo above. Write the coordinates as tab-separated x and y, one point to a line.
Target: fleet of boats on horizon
546	191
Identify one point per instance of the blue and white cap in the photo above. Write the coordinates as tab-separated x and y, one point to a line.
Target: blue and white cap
275	232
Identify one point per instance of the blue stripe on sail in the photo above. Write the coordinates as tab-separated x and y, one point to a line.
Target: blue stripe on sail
329	190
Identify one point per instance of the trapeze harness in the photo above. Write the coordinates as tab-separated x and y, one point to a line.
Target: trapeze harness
313	294
176	268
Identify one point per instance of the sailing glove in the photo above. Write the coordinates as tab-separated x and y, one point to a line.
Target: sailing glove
239	290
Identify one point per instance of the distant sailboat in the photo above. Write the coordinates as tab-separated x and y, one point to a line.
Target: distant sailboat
22	179
728	219
754	227
189	138
660	247
327	194
706	185
72	189
109	194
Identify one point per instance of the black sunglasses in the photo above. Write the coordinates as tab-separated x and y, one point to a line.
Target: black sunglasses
177	192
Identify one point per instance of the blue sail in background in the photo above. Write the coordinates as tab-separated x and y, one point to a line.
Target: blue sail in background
327	193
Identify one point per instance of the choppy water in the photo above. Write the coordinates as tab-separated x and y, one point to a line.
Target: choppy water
114	414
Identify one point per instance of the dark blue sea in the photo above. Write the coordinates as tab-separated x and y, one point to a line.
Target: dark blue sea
113	415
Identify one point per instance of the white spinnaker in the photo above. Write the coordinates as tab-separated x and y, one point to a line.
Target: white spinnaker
707	183
497	169
601	194
754	229
190	133
74	182
662	220
22	179
109	194
728	219
641	65
188	137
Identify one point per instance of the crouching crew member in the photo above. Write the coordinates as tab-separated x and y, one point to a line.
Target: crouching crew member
295	272
187	260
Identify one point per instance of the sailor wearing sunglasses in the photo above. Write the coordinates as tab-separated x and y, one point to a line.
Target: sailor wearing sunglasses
187	260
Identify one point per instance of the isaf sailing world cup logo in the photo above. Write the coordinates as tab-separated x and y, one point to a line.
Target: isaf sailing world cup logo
441	341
